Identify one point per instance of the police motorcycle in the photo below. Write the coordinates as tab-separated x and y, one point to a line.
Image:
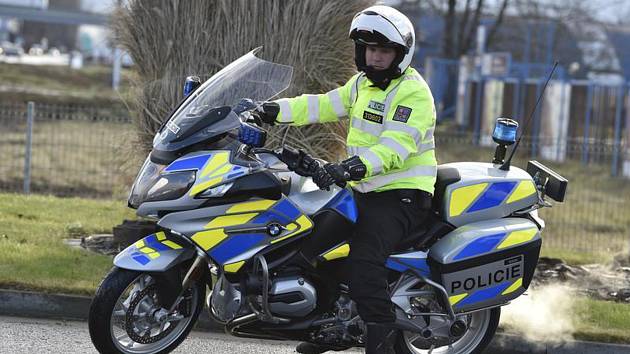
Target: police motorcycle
238	221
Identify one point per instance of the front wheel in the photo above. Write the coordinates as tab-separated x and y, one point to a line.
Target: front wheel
125	315
481	328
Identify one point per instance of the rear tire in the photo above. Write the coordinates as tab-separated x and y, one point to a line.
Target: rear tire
474	343
106	301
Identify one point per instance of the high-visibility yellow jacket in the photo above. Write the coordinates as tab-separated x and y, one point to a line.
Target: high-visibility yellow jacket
390	130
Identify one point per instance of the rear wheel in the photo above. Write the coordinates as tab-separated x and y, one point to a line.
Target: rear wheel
481	328
126	317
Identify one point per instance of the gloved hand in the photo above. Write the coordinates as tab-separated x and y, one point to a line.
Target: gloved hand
323	179
300	162
268	111
352	169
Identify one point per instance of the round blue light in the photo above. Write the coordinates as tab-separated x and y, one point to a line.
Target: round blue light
505	131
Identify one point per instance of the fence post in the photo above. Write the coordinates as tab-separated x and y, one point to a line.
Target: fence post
30	114
516	95
616	143
478	98
587	123
561	146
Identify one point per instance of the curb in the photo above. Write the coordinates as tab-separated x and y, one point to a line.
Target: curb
73	307
65	307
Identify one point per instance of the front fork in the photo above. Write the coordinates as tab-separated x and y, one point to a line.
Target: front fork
172	288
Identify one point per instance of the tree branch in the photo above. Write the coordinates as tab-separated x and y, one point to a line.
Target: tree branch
463	25
473	29
449	24
497	24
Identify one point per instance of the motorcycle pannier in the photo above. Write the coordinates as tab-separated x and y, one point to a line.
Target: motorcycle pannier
486	263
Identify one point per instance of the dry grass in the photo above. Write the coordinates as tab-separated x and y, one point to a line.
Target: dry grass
170	39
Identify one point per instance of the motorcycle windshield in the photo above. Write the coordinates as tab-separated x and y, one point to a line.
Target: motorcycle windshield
207	112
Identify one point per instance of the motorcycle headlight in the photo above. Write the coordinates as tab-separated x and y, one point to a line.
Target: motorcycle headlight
171	186
152	185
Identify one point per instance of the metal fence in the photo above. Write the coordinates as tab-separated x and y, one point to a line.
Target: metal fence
67	150
85	151
580	120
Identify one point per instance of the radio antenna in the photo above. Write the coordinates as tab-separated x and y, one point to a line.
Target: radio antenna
506	164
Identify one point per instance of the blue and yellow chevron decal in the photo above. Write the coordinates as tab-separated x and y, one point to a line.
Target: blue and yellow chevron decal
522	191
188	163
223	245
149	247
480	196
496	241
216	169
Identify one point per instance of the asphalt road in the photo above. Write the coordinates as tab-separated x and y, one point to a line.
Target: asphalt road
26	335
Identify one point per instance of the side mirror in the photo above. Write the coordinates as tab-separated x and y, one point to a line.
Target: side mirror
191	84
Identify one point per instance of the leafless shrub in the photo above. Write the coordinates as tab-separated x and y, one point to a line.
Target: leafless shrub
171	39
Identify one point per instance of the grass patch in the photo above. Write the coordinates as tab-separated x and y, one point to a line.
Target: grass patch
602	321
32	254
575	258
79	157
92	82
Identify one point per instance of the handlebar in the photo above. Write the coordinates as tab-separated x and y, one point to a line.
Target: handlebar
294	159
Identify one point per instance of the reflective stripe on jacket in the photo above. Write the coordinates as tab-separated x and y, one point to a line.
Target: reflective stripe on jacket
390	130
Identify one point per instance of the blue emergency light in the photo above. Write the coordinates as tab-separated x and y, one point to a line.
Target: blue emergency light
505	131
504	135
191	84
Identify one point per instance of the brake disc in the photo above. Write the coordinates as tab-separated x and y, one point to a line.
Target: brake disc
131	319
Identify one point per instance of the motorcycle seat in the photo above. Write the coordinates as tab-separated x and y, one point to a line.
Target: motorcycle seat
445	177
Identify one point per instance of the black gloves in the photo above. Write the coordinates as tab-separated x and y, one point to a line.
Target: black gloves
351	169
300	162
268	112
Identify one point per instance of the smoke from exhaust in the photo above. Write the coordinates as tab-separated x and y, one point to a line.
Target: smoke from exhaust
542	315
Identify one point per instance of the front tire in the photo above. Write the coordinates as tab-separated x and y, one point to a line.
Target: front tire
123	315
483	324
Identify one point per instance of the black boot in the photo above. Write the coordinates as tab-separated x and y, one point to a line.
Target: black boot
312	348
381	338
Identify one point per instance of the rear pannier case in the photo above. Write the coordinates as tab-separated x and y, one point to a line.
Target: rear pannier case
486	263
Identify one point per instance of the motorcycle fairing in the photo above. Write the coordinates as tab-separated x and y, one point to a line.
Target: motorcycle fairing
214	169
231	234
156	252
413	260
344	204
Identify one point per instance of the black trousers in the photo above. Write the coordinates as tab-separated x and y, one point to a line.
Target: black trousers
385	218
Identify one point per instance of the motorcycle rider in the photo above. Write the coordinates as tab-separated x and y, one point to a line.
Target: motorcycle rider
392	165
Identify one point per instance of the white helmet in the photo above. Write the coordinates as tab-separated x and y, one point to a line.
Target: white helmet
386	27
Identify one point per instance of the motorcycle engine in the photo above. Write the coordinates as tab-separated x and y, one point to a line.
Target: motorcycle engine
292	296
